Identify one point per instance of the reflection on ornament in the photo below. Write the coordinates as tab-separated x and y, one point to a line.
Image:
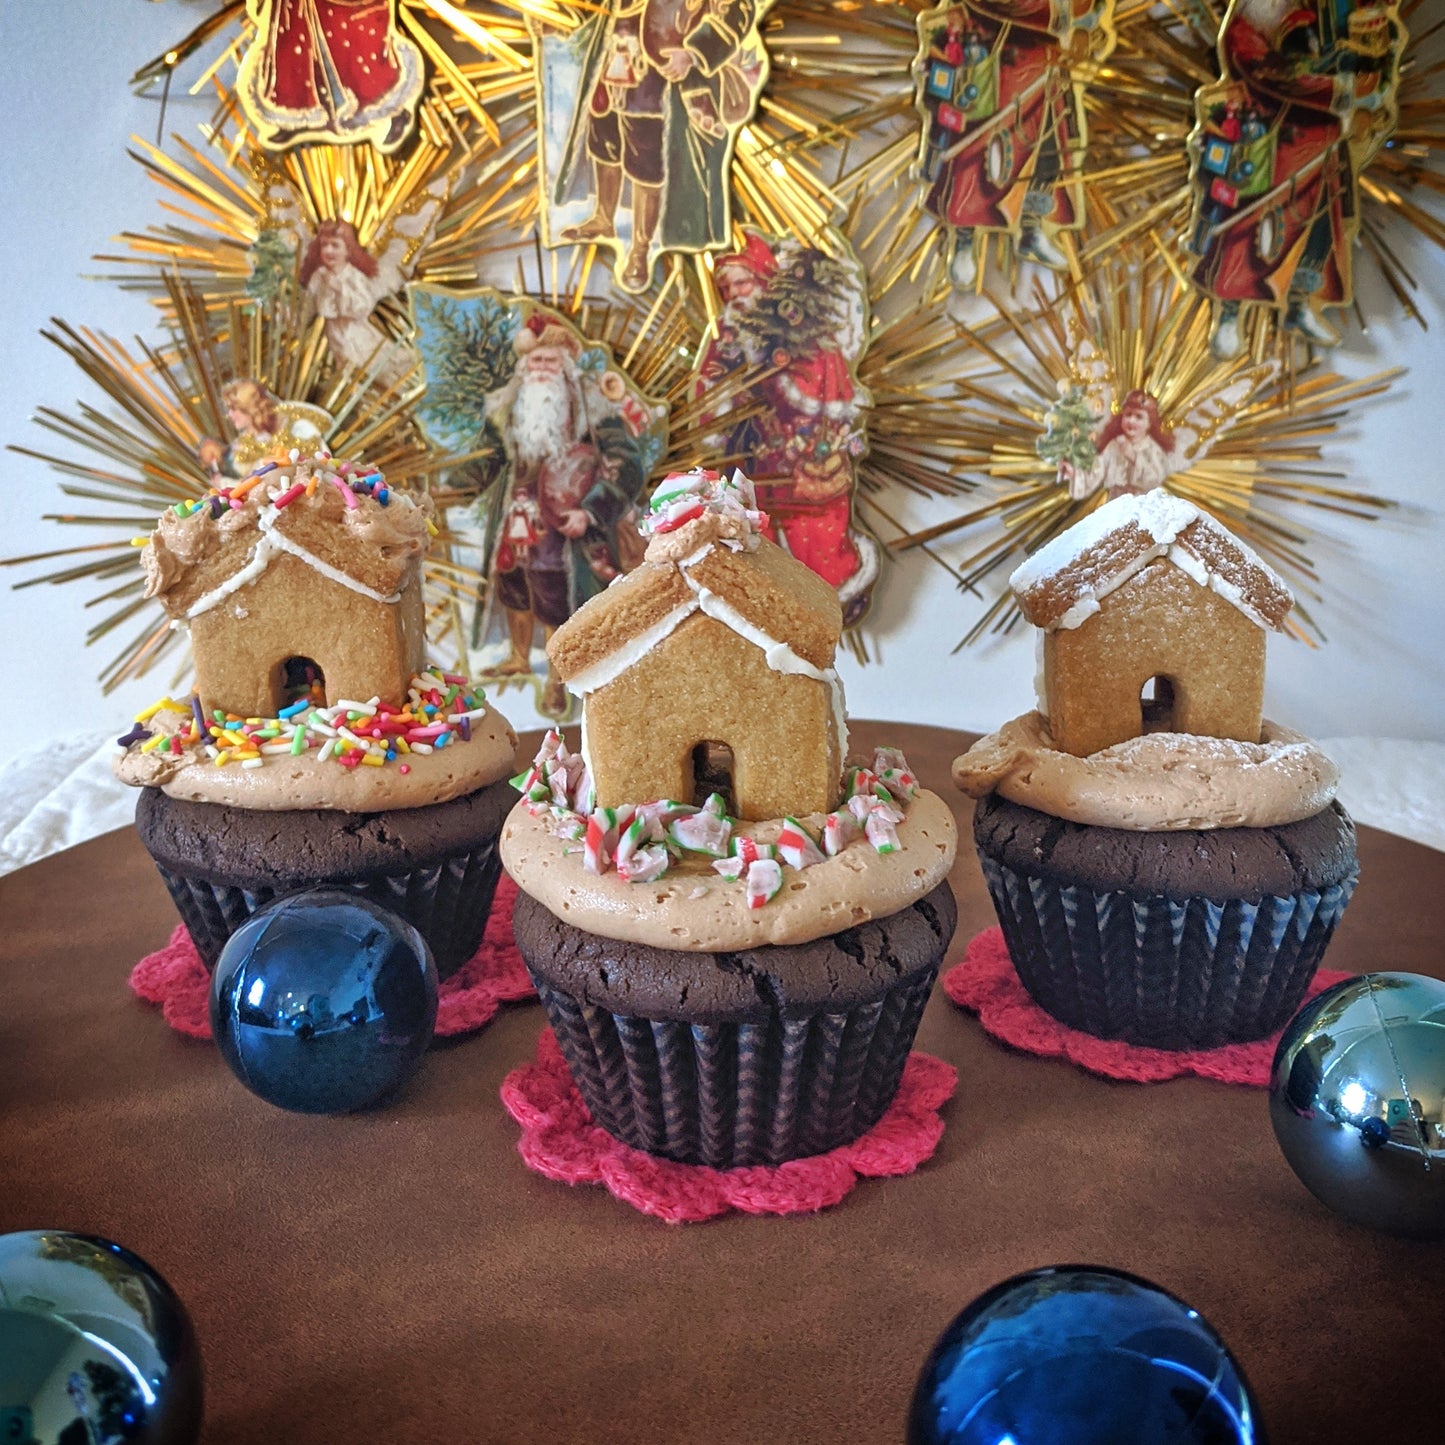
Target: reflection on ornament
94	1346
1083	1355
324	1002
1357	1099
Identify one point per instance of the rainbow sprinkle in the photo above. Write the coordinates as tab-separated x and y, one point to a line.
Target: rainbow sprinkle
351	487
439	709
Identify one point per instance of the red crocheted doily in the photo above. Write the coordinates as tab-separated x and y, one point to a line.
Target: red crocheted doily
986	984
560	1141
176	980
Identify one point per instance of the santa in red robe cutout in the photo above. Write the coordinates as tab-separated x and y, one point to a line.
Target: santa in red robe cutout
329	70
790	409
1307	98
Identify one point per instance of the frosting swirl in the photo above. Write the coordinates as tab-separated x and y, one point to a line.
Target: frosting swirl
692	908
1161	782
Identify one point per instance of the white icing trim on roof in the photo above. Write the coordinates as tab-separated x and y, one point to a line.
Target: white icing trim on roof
630	653
1160	515
778	655
272	543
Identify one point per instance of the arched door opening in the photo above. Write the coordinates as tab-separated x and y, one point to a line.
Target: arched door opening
300	679
1156	705
712	772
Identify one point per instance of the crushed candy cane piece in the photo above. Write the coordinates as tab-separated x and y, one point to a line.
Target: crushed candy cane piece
901	785
750	850
682	497
880	829
765	879
701	833
796	846
646	865
839	830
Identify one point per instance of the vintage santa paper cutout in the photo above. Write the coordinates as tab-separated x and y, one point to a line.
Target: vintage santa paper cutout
1307	97
638	112
264	426
1000	84
568	442
336	72
1101	441
1000	88
788	408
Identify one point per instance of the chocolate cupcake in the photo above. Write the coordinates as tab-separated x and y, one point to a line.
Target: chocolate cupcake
318	750
1166	869
733	933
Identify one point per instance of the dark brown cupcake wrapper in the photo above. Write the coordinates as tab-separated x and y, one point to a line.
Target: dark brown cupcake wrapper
448	903
730	1094
1161	972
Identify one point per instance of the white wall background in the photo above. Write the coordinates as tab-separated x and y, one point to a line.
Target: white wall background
68	188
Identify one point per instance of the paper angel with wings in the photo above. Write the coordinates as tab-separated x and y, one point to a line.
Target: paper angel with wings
346	281
1134	450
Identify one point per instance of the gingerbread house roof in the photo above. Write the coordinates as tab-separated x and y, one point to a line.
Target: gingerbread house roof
348	528
1063	583
715	565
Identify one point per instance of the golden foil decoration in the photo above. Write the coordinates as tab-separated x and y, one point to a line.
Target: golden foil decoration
476	124
1111	386
221	389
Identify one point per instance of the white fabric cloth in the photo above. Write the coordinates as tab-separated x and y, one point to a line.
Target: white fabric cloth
56	796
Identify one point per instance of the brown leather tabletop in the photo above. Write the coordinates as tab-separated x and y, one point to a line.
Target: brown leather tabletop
400	1275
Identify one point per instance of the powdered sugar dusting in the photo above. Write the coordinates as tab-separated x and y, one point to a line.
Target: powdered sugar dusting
1082	565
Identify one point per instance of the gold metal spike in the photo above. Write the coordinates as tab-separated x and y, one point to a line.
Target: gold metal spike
1252	435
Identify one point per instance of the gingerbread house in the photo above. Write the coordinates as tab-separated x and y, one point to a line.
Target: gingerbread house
307	572
1154	618
710	667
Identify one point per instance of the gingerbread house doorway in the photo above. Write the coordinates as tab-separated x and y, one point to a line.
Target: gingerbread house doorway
712	772
298	678
1156	705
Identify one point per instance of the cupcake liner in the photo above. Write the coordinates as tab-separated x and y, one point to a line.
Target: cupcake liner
447	903
1158	971
729	1094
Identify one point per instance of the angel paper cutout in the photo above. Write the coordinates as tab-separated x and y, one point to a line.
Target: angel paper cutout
264	426
1129	447
346	281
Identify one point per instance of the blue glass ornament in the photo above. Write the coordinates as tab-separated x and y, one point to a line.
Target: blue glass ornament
1081	1355
94	1346
324	1002
1357	1100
